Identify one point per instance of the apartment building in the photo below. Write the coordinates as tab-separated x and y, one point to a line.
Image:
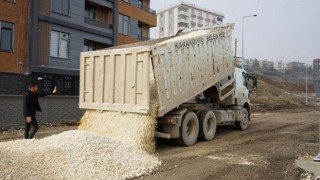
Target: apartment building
295	66
41	41
280	66
184	15
135	20
13	43
316	75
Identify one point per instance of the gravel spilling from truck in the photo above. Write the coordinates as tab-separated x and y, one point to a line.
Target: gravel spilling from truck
73	154
131	128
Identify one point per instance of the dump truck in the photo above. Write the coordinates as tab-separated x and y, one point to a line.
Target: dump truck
197	84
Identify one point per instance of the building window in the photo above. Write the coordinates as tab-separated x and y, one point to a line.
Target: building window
6	36
60	6
140	29
13	1
59	44
90	12
89	45
68	85
123	24
48	83
161	29
219	19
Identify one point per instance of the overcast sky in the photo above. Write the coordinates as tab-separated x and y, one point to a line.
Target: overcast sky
287	30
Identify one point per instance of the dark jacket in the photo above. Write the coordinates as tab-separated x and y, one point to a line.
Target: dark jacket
31	103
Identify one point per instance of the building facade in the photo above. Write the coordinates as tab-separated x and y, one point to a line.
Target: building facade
184	15
316	75
41	41
13	45
135	20
280	66
47	38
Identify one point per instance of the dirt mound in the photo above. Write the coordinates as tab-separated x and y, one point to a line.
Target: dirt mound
270	97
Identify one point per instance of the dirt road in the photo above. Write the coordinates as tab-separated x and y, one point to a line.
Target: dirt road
266	150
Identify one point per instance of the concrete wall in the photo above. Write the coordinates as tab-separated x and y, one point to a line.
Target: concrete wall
54	109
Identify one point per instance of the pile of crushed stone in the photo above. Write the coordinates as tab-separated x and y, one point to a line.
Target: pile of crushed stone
75	154
129	128
132	128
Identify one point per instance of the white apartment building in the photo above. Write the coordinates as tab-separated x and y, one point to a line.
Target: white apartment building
184	15
280	65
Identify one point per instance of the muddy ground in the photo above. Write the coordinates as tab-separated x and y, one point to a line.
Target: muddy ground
266	150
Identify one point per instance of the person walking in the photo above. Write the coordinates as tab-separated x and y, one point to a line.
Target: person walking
30	106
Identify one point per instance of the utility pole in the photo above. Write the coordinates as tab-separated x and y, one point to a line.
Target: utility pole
235	51
242	62
306	84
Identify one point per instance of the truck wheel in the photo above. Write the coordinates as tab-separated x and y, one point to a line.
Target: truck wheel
207	125
189	129
243	124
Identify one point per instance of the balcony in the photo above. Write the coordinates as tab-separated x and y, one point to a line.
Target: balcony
141	6
103	3
207	19
193	23
98	23
183	21
181	28
144	38
181	12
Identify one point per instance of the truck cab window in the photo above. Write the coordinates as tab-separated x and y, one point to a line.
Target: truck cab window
245	80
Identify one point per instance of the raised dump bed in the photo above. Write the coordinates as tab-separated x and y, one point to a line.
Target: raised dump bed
118	79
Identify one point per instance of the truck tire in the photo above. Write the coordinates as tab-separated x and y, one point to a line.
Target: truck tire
207	125
189	129
243	124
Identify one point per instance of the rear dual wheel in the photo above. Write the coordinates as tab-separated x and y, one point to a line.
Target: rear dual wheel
189	129
207	124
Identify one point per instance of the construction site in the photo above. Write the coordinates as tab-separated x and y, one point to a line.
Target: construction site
173	108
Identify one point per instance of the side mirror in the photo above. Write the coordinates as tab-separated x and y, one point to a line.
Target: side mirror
254	82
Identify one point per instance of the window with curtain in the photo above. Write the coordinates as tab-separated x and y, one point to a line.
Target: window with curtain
59	44
124	24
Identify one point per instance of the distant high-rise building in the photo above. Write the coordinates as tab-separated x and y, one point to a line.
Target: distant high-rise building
184	15
316	75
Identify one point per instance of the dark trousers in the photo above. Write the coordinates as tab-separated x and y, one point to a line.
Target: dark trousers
34	124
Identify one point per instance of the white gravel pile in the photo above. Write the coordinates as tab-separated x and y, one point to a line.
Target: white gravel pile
73	155
130	128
